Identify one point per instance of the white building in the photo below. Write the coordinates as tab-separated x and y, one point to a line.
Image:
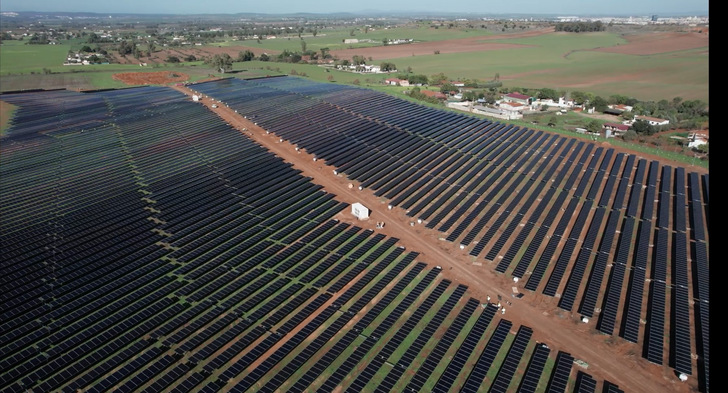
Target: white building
359	211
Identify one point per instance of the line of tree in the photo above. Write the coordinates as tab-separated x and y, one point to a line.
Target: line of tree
580	27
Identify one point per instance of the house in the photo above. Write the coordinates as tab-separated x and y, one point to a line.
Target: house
397	82
614	129
654	121
512	107
517	97
697	140
621	108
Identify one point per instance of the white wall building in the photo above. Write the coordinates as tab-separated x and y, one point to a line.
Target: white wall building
359	211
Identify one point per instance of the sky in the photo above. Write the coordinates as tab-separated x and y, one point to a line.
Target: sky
560	7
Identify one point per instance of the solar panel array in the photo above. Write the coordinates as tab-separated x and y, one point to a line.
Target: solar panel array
148	245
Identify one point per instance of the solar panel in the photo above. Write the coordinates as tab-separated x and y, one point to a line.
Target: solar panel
429	366
477	374
585	383
457	364
510	364
532	375
560	374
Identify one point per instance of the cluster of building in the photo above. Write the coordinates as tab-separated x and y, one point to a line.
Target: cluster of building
82	58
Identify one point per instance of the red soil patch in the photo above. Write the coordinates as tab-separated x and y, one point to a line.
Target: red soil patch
658	42
151	78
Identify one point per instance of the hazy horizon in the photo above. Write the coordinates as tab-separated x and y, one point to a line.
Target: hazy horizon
181	7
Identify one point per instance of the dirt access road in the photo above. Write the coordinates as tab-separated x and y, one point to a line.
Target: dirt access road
611	359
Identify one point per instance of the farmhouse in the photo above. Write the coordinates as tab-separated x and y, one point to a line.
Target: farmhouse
614	129
512	107
621	108
561	103
697	140
654	121
397	82
517	97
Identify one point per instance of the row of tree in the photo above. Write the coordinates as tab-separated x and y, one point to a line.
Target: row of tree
580	27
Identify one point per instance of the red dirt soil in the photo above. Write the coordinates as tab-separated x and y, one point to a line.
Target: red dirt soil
609	357
151	78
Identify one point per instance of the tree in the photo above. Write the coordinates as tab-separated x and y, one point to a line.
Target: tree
599	103
469	96
438	78
246	55
125	48
594	126
303	45
264	57
547	93
325	52
86	49
579	97
172	59
387	66
629	136
418	79
222	62
447	88
643	127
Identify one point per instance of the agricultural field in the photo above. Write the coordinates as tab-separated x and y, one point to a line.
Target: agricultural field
663	66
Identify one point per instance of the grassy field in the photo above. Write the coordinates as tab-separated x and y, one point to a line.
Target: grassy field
334	38
564	62
18	58
561	61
